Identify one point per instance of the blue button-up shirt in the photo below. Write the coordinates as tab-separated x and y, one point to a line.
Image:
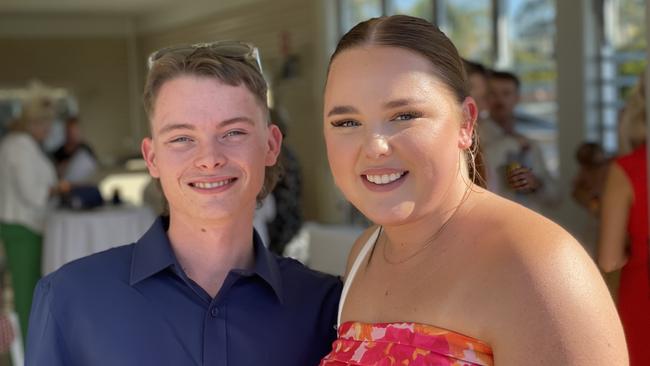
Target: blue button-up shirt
134	305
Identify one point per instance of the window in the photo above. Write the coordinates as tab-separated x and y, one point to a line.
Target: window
352	12
418	8
469	24
623	58
527	47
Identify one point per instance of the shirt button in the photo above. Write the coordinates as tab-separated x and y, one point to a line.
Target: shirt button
214	312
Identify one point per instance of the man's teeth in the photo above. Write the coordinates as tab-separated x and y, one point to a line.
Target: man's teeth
212	184
384	178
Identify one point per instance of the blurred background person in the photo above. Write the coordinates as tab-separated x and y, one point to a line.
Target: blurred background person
588	184
27	180
287	195
515	164
623	239
75	159
477	74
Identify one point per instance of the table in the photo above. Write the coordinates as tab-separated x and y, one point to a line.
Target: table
72	234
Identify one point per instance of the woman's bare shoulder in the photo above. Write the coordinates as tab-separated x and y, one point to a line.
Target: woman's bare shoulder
532	245
544	284
508	226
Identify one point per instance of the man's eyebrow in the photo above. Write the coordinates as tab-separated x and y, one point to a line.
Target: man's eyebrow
237	119
401	103
342	109
191	127
176	126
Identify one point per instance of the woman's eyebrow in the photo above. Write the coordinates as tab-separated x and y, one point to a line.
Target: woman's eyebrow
342	109
401	103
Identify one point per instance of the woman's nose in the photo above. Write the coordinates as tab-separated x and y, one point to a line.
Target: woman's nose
377	145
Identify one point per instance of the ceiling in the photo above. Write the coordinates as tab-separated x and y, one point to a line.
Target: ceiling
69	17
124	7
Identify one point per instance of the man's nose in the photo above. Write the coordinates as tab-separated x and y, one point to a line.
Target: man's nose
210	156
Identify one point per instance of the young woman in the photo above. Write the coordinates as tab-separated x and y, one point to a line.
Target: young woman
451	274
623	216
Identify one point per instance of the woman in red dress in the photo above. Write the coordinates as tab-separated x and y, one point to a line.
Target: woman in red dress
624	228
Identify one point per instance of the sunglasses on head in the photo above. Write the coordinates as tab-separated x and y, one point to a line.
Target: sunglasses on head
231	49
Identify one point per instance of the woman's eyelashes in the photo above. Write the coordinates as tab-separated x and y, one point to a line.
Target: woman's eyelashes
406	116
401	116
345	123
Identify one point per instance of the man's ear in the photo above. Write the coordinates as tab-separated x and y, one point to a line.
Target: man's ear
274	142
149	156
469	115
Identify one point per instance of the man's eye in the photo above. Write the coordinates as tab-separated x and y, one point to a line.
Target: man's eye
181	139
345	123
234	133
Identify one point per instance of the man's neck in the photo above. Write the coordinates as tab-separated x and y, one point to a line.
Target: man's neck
207	251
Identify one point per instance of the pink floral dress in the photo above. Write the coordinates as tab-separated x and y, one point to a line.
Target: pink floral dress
405	344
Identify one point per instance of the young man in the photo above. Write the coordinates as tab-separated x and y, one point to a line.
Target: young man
199	288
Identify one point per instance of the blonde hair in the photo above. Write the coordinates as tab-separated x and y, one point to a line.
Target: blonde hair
632	126
35	110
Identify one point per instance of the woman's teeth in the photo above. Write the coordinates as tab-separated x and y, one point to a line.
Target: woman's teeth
384	178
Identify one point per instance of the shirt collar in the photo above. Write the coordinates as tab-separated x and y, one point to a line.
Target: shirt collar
266	266
153	253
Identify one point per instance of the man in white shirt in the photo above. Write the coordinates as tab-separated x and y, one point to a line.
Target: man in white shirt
516	168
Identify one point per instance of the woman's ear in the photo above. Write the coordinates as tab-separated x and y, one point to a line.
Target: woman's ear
469	113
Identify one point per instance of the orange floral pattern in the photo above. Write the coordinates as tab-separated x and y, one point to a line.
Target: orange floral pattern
405	344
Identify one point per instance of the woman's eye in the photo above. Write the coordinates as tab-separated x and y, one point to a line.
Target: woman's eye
345	123
407	116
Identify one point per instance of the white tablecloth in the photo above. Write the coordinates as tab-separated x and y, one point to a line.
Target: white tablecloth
70	235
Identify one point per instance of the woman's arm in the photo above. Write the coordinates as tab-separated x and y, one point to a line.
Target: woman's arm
615	205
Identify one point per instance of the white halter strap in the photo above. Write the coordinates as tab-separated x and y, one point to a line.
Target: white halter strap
353	271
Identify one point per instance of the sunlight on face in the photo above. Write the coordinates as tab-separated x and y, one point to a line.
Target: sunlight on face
393	134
